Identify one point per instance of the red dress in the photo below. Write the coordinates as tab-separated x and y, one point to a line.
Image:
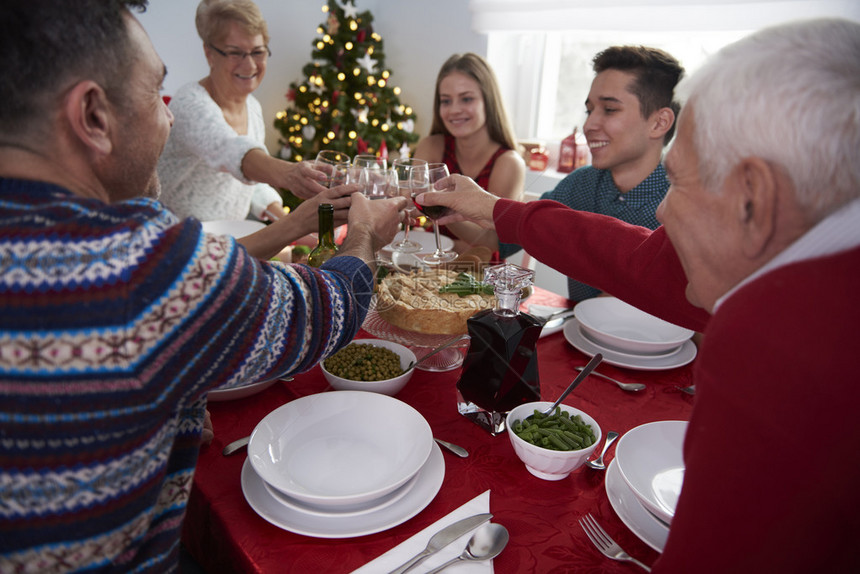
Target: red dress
777	385
449	158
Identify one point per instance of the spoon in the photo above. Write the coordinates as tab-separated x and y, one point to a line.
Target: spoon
456	449
597	463
441	347
485	544
595	360
236	445
624	386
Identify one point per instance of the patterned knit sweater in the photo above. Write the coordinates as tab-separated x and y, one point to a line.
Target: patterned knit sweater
115	320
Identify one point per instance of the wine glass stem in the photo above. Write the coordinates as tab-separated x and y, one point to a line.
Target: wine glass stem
438	239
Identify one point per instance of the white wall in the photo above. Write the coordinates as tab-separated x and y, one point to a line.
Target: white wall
418	37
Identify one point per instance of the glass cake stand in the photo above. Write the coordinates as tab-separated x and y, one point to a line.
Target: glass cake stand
419	343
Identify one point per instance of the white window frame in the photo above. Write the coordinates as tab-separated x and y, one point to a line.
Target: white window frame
528	71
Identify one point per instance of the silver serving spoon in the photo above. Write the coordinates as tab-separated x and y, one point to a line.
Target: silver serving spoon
595	360
441	347
597	463
623	386
485	544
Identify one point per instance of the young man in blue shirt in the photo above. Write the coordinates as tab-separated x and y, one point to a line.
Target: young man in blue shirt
631	117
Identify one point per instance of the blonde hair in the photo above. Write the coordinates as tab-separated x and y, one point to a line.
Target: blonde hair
474	66
213	16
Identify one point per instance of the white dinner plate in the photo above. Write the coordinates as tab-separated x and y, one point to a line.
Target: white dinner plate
644	363
240	392
426	239
427	485
619	325
622	353
340	448
650	530
343	511
651	461
236	228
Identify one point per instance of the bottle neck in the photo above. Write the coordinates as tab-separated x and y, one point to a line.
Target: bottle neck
507	302
326	225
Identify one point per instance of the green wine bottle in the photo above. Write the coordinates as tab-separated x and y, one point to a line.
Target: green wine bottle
326	247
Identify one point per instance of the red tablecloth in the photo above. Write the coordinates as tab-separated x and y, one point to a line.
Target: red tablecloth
225	535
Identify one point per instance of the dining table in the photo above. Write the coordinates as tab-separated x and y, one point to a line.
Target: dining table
224	534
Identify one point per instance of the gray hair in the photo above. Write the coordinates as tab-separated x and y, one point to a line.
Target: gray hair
790	95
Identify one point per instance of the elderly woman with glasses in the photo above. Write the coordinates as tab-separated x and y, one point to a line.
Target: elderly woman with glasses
215	164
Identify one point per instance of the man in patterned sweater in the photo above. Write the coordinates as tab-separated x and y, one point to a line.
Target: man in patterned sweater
631	117
116	318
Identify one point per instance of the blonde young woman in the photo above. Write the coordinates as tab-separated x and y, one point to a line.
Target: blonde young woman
471	134
215	164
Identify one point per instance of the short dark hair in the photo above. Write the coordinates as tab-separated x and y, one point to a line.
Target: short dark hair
656	72
47	44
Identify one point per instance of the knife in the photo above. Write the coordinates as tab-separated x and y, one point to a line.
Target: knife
443	538
557	318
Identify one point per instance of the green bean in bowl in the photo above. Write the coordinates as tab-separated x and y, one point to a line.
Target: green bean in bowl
556	431
371	365
554	445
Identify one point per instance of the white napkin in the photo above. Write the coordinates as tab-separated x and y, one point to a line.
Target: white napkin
409	548
544	311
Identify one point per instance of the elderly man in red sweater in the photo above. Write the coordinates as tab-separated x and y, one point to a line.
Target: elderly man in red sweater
760	249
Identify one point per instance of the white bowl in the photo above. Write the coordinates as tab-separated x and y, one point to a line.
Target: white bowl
386	387
619	326
340	448
650	458
543	462
236	228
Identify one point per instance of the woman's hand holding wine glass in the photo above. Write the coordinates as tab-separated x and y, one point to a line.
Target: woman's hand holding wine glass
335	165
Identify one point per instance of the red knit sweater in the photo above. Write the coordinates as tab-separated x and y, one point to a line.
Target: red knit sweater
776	381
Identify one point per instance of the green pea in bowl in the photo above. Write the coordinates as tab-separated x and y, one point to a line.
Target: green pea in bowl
549	462
345	369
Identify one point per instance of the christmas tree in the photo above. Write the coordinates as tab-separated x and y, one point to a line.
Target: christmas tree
346	101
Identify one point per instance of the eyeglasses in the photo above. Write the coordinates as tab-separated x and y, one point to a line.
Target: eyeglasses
259	55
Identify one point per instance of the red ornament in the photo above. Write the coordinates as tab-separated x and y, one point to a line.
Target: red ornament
383	150
291	95
362	146
361	36
334	95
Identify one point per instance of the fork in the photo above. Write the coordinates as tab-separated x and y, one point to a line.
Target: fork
607	546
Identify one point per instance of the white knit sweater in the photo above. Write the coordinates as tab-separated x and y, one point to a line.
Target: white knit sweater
201	166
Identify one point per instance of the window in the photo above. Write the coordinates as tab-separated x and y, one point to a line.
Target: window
541	50
545	89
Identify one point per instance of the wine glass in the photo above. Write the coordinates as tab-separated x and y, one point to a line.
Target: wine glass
423	181
403	167
371	173
334	164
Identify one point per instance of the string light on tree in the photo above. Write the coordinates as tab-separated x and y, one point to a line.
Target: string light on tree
346	101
